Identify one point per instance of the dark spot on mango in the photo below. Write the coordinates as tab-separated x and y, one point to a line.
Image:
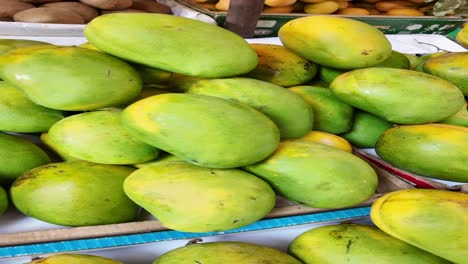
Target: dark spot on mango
235	221
199	262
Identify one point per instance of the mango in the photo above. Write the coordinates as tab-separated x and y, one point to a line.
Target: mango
70	78
433	220
433	150
148	75
328	139
292	115
111	142
148	91
7	45
462	36
460	118
18	155
19	114
316	175
280	66
390	94
172	43
161	159
76	193
331	115
396	60
323	7
356	244
3	200
190	198
366	130
63	258
44	137
413	59
227	253
452	67
152	75
329	43
203	130
426	57
88	45
328	74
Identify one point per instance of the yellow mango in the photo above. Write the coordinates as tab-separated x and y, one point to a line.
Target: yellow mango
326	7
328	139
433	220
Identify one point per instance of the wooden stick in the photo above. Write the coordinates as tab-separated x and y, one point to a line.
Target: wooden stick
242	16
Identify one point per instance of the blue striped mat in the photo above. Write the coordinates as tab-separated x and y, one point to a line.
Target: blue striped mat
127	240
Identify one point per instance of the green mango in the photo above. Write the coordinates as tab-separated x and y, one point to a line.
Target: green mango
7	45
203	130
65	258
70	78
111	142
152	75
356	244
226	253
172	43
433	150
316	175
396	60
292	115
328	74
44	137
19	114
452	67
397	95
18	155
164	158
413	59
331	115
317	82
148	91
3	200
433	220
422	60
366	129
148	75
75	193
460	118
280	66
88	45
190	198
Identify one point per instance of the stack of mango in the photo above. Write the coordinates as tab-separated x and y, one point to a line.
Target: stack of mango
73	12
341	7
205	134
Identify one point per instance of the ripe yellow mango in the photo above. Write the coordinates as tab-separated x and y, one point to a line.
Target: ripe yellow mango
433	220
330	44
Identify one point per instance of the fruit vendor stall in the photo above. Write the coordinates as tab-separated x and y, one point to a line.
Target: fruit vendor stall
137	140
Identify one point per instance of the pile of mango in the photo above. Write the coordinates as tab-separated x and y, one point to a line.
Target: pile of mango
205	134
340	7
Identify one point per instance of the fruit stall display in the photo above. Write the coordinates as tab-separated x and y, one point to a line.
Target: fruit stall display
351	7
205	135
